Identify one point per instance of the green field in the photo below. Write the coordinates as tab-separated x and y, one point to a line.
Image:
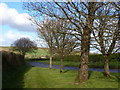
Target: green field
38	53
36	77
95	60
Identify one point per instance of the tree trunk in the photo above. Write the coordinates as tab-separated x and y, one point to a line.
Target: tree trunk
61	65
83	67
23	55
51	62
106	66
85	45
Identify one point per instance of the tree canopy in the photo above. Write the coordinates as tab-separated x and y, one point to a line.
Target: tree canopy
24	45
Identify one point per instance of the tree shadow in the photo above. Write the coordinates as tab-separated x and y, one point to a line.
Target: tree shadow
66	71
14	78
89	74
37	59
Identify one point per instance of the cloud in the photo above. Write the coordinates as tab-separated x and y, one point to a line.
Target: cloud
10	36
14	19
18	22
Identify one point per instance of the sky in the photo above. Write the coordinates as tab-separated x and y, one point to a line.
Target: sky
14	24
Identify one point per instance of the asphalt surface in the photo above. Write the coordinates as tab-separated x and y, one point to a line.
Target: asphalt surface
45	65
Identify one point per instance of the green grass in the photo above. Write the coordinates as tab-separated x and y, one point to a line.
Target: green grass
38	53
36	77
95	60
66	63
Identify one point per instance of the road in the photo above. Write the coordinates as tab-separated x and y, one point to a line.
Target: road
45	65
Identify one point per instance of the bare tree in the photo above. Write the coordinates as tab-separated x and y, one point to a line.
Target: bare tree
45	31
60	44
106	34
24	45
64	43
81	15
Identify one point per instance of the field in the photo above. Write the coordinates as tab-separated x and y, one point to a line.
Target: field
38	53
95	60
36	77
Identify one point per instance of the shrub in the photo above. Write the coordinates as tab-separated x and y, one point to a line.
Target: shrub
11	60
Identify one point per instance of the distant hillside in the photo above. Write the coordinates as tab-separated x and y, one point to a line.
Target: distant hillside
4	48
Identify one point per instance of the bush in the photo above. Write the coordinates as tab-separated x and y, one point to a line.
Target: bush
74	58
115	57
92	58
11	60
95	58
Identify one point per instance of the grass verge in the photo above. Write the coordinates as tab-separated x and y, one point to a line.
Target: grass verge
36	77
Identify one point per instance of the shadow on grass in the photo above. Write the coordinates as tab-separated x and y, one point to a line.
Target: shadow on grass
89	74
117	76
37	59
14	78
66	71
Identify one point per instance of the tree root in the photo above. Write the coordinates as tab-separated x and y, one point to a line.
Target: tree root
61	71
109	75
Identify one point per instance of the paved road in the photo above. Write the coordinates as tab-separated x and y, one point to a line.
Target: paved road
45	65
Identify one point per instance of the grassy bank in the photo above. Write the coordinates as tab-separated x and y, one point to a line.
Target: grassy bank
35	77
